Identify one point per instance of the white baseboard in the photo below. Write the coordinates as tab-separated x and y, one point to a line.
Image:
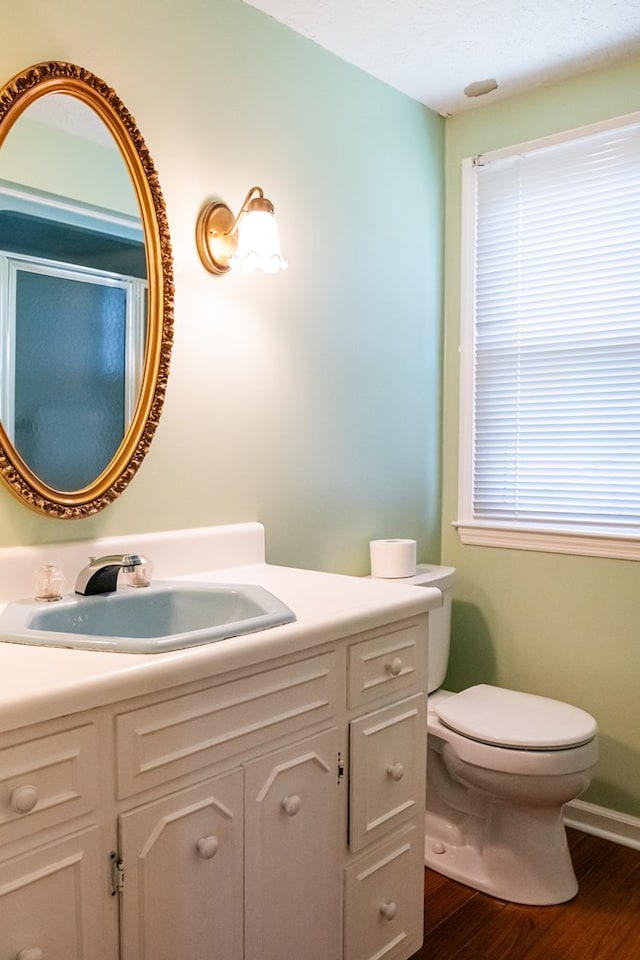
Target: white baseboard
602	822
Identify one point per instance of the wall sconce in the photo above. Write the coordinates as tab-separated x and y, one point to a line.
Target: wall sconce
248	242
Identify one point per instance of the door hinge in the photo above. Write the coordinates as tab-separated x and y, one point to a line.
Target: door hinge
117	874
340	768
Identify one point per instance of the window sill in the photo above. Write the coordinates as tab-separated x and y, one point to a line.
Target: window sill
612	545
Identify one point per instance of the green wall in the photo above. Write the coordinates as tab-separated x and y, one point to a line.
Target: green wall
561	626
309	400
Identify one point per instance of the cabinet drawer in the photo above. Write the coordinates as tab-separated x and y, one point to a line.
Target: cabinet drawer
48	780
387	780
388	662
384	904
175	737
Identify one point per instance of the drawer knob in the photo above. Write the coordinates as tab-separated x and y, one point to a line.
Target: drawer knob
207	847
31	953
23	800
394	666
291	805
395	771
388	910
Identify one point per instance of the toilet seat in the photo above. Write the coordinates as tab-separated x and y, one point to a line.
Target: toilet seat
518	721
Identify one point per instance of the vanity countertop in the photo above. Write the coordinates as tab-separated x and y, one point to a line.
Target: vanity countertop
39	683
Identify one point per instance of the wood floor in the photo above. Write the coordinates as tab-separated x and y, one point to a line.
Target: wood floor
601	923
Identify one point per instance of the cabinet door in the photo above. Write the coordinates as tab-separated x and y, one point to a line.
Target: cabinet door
55	904
182	858
387	780
292	876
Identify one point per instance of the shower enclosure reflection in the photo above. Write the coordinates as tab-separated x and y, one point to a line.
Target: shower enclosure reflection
73	326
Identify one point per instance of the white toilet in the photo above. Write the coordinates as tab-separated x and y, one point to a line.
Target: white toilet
500	766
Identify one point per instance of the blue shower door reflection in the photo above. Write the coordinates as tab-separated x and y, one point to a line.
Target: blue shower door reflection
70	375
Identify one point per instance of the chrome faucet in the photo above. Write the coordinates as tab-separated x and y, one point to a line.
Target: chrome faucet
101	573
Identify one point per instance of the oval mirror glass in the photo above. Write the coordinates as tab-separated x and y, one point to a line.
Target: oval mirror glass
86	292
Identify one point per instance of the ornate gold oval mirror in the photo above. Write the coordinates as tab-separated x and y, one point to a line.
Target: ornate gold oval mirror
86	292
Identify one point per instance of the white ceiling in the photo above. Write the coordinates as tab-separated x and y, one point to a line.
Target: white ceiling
432	49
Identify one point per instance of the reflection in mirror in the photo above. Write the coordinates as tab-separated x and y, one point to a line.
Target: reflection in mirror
85	292
72	323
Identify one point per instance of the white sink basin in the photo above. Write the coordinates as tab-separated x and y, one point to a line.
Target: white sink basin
168	615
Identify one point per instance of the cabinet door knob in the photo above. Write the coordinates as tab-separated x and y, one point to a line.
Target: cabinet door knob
291	805
207	847
395	771
394	666
31	953
23	800
388	910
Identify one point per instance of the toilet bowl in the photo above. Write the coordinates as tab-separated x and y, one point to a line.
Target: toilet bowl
494	809
500	766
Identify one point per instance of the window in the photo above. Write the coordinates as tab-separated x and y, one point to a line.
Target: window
550	345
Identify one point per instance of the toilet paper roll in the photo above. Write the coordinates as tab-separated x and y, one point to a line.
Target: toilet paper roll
392	559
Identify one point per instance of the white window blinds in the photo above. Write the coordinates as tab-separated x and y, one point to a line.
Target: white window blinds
556	338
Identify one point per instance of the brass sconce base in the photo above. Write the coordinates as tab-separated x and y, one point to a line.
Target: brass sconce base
216	236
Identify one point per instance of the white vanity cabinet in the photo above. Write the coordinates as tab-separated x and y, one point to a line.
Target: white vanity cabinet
384	881
185	892
271	812
50	901
182	889
292	852
52	868
247	862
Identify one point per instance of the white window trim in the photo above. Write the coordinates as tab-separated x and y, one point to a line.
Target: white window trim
614	544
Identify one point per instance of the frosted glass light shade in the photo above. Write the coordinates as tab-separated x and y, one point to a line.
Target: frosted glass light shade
247	242
258	244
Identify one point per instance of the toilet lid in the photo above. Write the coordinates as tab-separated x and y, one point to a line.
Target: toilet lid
521	721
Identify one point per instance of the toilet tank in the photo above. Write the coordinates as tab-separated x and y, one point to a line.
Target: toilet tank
442	578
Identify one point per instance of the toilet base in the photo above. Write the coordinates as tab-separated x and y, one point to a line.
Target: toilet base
526	861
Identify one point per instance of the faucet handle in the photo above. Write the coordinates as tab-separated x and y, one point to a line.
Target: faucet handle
139	575
48	582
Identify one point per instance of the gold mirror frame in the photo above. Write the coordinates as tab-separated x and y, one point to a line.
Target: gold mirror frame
15	97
